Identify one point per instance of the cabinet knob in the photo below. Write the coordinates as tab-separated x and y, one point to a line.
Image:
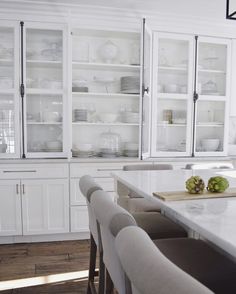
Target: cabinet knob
23	188
17	188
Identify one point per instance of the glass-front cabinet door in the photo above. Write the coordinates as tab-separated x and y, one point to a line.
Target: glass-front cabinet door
213	66
9	87
172	94
45	81
146	90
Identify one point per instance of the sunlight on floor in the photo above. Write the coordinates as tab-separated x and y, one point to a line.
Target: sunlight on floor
36	281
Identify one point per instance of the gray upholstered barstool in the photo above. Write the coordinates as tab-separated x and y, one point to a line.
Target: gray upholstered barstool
148	270
111	218
136	202
195	257
88	186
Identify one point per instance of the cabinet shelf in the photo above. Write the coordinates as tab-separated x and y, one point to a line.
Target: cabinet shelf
7	91
175	96
6	62
44	63
107	95
173	68
171	125
215	125
103	124
211	71
33	91
105	66
43	123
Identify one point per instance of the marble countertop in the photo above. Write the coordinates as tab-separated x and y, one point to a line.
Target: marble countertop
214	219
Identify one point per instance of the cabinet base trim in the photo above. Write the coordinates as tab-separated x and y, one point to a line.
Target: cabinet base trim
44	238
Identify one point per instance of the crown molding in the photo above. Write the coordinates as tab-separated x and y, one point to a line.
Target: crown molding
100	16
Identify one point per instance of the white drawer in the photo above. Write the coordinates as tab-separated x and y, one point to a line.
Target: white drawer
76	197
79	219
31	171
97	170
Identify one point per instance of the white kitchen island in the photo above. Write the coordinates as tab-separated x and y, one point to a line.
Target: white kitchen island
213	219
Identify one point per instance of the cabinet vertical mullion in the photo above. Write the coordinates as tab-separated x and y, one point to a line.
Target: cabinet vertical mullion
22	86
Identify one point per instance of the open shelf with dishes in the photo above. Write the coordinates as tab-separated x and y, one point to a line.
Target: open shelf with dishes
105	93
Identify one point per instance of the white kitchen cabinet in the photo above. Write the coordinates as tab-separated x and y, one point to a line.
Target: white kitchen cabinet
101	172
45	206
10	208
146	76
33	90
34	199
105	92
233	84
45	81
9	87
190	95
79	219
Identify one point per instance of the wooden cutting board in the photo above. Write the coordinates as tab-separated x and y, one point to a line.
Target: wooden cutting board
184	195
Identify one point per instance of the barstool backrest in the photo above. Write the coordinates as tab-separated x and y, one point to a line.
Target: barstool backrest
88	186
149	271
147	166
111	219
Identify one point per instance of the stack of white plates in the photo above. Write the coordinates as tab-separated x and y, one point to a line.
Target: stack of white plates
130	117
82	154
131	149
129	85
80	115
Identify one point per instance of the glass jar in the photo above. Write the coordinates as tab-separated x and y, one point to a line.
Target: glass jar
109	144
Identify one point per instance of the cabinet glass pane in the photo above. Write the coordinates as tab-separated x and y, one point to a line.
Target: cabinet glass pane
44	95
7	66
44	123
146	97
7	124
173	62
171	125
210	126
212	63
44	59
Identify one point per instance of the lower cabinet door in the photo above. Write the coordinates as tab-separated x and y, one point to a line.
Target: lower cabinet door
79	219
10	208
45	206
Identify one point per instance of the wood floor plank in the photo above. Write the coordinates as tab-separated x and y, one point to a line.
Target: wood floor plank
21	261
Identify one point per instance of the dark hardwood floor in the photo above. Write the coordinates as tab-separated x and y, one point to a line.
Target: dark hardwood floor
53	267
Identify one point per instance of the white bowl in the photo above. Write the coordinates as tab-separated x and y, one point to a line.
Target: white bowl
51	116
107	117
210	144
85	147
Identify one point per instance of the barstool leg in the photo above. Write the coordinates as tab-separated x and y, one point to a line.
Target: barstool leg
109	284
101	274
92	265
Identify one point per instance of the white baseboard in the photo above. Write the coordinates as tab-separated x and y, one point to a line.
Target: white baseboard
44	238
